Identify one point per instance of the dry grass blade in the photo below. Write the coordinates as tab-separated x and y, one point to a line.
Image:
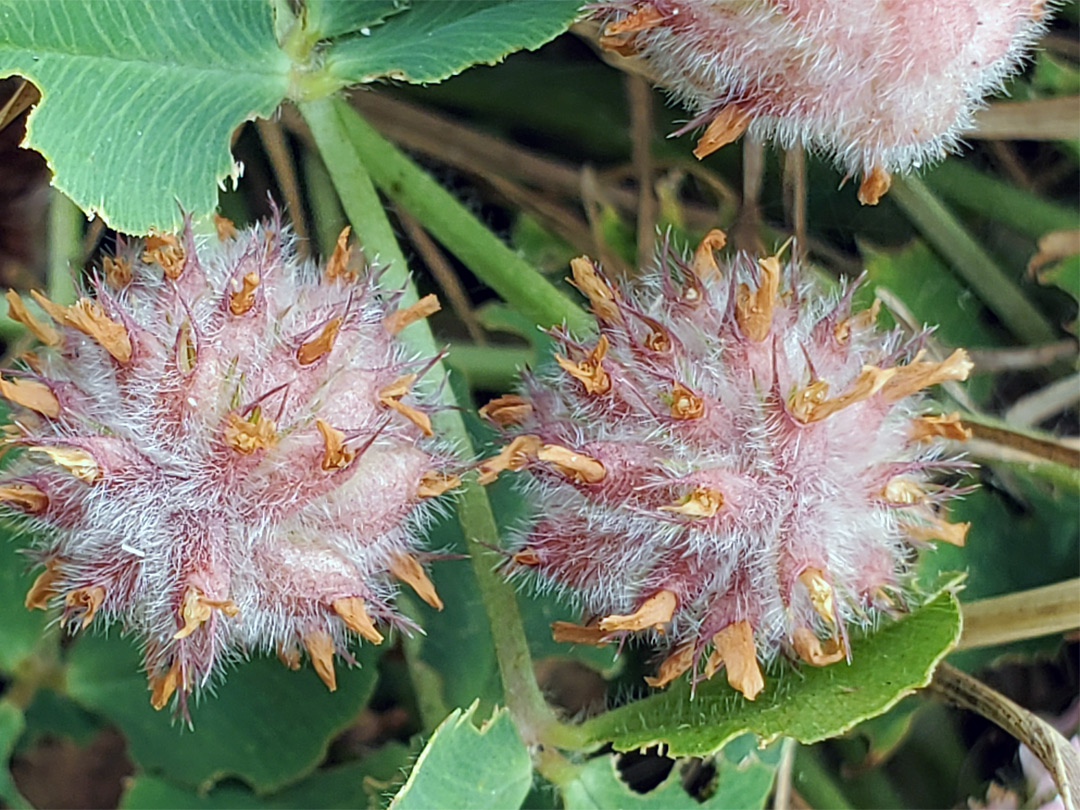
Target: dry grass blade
25	95
1027	614
1046	402
990	361
641	116
1051	748
277	150
1042	446
1048	119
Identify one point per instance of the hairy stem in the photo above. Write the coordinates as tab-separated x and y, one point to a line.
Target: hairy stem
348	169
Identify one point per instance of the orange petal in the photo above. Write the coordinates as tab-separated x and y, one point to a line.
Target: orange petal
352	611
319	345
251	434
859	321
874	185
903	490
224	227
726	127
86	599
77	462
30	394
117	271
289	655
734	648
685	404
578	634
25	496
924	428
644	17
577	466
240	301
937	529
703	502
396	321
704	263
408	570
590	371
338	266
658	339
810	405
527	556
919	374
165	250
390	396
163	686
196	609
335	454
507	410
37	598
513	456
754	311
655	611
17	311
673	666
819	591
320	647
813	650
89	318
432	484
601	297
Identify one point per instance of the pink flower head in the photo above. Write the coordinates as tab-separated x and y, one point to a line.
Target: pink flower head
736	466
228	451
882	86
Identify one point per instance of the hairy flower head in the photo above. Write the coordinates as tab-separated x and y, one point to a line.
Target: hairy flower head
227	451
736	465
882	86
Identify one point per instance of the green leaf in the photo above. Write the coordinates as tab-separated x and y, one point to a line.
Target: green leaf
436	39
744	782
810	704
462	766
357	784
20	629
332	18
139	97
266	725
11	727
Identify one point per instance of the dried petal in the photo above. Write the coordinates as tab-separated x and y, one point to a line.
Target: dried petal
506	410
590	371
673	666
754	311
601	296
396	321
704	263
726	127
320	647
813	650
656	611
703	502
390	396
319	345
809	405
513	456
251	434
196	609
30	394
352	611
25	496
820	593
925	428
225	228
685	404
87	600
874	185
165	250
734	648
576	466
17	311
335	454
408	570
77	462
162	686
43	589
242	300
578	634
903	490
937	529
338	265
433	484
117	271
919	374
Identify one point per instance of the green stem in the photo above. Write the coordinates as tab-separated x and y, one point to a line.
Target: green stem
489	368
65	248
999	292
815	784
534	717
459	231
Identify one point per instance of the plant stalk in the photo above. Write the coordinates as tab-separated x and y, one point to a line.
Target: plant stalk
332	130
